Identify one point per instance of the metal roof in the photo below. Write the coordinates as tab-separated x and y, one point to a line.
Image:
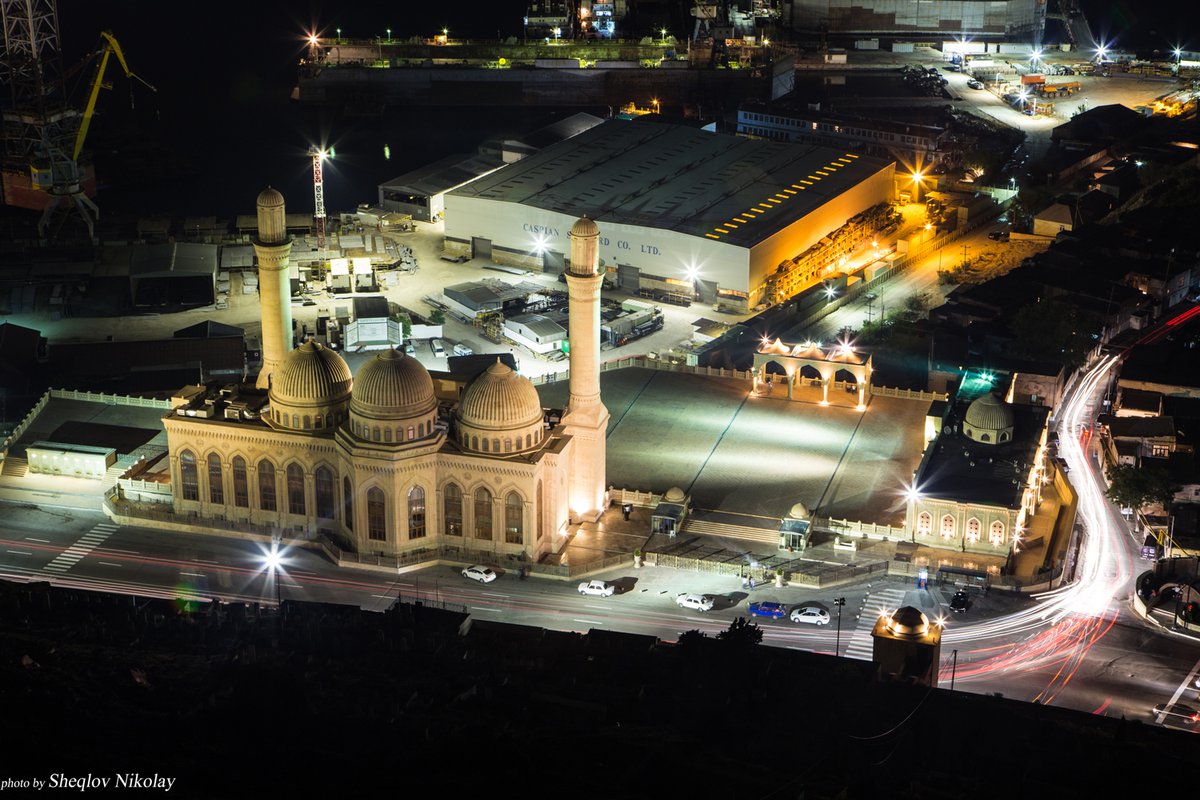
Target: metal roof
442	176
675	177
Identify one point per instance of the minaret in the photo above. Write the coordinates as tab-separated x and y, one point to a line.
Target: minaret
274	251
586	418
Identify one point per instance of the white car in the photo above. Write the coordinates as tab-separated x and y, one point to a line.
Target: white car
811	615
479	573
597	588
696	602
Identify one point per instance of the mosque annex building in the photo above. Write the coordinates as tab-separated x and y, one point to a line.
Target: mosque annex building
680	208
376	458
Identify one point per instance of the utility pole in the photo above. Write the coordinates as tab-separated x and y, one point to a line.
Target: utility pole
318	155
837	647
953	667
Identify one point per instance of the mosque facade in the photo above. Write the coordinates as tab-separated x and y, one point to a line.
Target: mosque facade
371	459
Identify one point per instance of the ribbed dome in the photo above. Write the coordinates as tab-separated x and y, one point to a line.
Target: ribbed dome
392	386
310	374
989	413
799	511
674	495
585	227
500	400
270	198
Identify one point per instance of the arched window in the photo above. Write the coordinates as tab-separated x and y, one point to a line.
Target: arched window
375	434
973	528
295	420
387	435
266	486
307	422
528	440
216	480
416	513
411	433
295	489
947	527
924	523
508	445
983	437
348	504
514	519
485	445
318	421
452	513
241	483
475	442
495	445
537	513
996	534
483	513
323	484
190	484
376	515
1004	436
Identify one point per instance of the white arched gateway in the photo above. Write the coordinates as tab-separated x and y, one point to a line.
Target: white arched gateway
811	361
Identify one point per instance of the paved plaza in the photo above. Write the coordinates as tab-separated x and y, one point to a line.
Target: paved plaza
756	456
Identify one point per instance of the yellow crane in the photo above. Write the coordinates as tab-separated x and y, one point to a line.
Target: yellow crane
111	48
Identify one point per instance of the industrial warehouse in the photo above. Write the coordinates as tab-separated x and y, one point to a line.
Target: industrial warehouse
684	212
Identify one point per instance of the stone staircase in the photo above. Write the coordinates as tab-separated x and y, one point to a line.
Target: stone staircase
14	467
709	528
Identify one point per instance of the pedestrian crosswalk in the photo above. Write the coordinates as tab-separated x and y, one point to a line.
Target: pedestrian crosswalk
86	544
861	645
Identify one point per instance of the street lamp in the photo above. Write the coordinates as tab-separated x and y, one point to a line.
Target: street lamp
916	179
664	35
837	647
339	33
389	31
654	102
273	562
557	33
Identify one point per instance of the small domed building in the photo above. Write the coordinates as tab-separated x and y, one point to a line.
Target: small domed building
981	476
376	460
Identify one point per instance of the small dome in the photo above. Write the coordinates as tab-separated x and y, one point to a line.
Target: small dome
585	227
988	419
270	198
674	495
908	621
310	374
798	511
392	386
500	399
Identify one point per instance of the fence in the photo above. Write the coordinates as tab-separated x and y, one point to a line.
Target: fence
24	424
634	497
646	362
867	530
908	394
111	399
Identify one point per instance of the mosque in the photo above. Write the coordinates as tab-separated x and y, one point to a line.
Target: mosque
367	457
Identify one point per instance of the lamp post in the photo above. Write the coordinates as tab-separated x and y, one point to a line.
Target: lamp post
273	562
389	31
557	33
837	647
916	179
953	667
663	33
339	33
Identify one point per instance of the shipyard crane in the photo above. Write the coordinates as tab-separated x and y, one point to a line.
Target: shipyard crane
111	48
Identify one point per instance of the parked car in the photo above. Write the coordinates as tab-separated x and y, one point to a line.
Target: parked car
696	602
463	350
999	236
436	346
810	615
479	573
597	588
772	610
456	259
960	602
974	84
410	348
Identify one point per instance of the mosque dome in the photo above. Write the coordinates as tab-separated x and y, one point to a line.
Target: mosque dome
500	412
393	400
270	198
674	495
585	227
988	419
310	388
799	511
392	385
908	621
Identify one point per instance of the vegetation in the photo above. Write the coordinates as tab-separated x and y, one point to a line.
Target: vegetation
741	633
438	317
1134	487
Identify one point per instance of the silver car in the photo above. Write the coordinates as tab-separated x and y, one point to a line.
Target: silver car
810	615
479	573
696	602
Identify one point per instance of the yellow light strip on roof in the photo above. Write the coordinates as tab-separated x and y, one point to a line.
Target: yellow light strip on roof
806	183
772	201
789	191
739	219
782	196
823	174
794	186
844	160
711	236
813	178
851	155
761	210
721	230
729	225
750	214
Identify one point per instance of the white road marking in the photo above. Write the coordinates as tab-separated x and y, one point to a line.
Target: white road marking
1183	687
485	608
31	539
587	621
194	574
20	553
108	563
492	594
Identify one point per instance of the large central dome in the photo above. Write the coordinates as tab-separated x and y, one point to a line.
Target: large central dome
392	386
988	419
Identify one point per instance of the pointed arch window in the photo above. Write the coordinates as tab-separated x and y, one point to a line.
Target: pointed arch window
376	515
924	523
947	527
323	486
416	513
514	519
973	530
348	504
241	483
190	475
996	534
295	489
266	486
452	513
483	514
216	480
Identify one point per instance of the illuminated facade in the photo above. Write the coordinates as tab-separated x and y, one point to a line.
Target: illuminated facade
371	459
1024	19
980	480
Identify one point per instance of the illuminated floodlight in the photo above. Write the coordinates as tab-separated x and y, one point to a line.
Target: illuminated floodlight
273	560
692	273
539	244
1036	55
312	38
917	176
830	291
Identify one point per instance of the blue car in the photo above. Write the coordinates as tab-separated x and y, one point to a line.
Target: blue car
772	610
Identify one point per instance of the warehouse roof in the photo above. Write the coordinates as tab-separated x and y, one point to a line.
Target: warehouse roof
441	176
674	177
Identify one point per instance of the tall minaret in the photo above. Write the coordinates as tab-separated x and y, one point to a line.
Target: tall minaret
586	418
274	251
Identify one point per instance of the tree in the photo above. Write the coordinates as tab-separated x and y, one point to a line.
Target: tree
438	317
1134	487
741	633
1051	330
691	638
